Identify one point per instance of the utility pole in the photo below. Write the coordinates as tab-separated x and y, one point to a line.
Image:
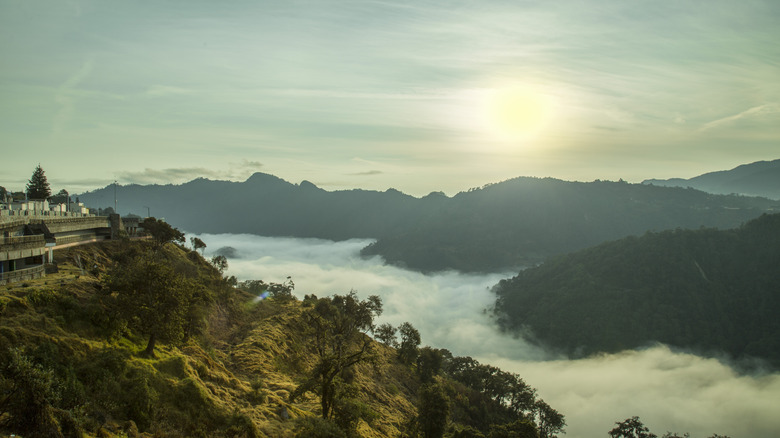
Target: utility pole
148	211
115	211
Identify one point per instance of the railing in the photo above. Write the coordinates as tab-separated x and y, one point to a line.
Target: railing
12	221
5	213
22	240
79	238
23	274
69	220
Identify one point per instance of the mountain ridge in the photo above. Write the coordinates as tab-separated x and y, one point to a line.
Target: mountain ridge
760	178
499	226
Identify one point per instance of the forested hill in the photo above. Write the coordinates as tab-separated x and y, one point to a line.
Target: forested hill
761	178
495	227
708	290
229	360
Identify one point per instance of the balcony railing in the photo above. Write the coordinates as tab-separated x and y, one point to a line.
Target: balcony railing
22	274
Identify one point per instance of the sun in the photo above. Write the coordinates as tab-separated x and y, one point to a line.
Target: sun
517	113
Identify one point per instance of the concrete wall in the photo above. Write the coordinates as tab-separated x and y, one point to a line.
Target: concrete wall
14	248
22	275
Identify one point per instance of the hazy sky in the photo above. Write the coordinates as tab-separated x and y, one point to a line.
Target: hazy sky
417	95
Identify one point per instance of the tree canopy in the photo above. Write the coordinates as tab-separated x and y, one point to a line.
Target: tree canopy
338	330
153	297
708	289
38	187
161	232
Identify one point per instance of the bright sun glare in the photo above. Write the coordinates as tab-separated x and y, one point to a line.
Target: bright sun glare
517	113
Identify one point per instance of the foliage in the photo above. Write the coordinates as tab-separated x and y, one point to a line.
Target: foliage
153	298
220	263
348	411
61	197
631	428
197	244
235	374
550	421
517	429
704	289
38	187
408	350
429	364
496	396
337	328
385	334
161	231
280	291
315	427
28	394
433	410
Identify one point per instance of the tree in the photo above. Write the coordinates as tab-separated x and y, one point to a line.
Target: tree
631	428
27	394
410	341
220	262
197	244
3	194
282	291
518	429
429	364
385	334
60	198
549	420
161	232
38	187
433	408
337	328
152	297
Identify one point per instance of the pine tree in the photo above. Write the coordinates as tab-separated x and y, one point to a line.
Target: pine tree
38	187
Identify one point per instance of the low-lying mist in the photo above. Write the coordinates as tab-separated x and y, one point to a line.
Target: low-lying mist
670	391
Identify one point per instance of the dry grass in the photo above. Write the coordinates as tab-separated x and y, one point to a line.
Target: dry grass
246	366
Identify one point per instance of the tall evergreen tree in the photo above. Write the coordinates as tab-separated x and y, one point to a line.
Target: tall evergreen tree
38	187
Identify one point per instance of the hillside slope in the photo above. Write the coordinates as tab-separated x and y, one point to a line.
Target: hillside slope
72	357
708	290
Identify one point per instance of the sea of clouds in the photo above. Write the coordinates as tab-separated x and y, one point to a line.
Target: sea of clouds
670	391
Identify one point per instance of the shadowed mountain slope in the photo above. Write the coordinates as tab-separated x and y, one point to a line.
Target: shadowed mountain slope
761	178
499	226
709	290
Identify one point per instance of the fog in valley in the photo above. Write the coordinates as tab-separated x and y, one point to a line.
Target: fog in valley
669	391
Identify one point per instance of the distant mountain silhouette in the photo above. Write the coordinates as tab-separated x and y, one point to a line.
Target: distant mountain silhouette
761	178
499	226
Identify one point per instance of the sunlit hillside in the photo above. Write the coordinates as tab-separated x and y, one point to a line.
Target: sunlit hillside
74	362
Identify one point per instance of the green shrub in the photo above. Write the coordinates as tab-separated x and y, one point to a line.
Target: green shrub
240	426
316	427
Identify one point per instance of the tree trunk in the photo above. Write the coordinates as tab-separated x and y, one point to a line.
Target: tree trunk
325	401
149	352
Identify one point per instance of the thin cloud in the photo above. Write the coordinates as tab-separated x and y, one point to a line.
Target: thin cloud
167	176
368	173
65	98
237	171
755	111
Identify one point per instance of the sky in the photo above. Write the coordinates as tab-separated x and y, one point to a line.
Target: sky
670	391
419	96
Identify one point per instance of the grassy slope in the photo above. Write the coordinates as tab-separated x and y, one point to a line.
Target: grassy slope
201	388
